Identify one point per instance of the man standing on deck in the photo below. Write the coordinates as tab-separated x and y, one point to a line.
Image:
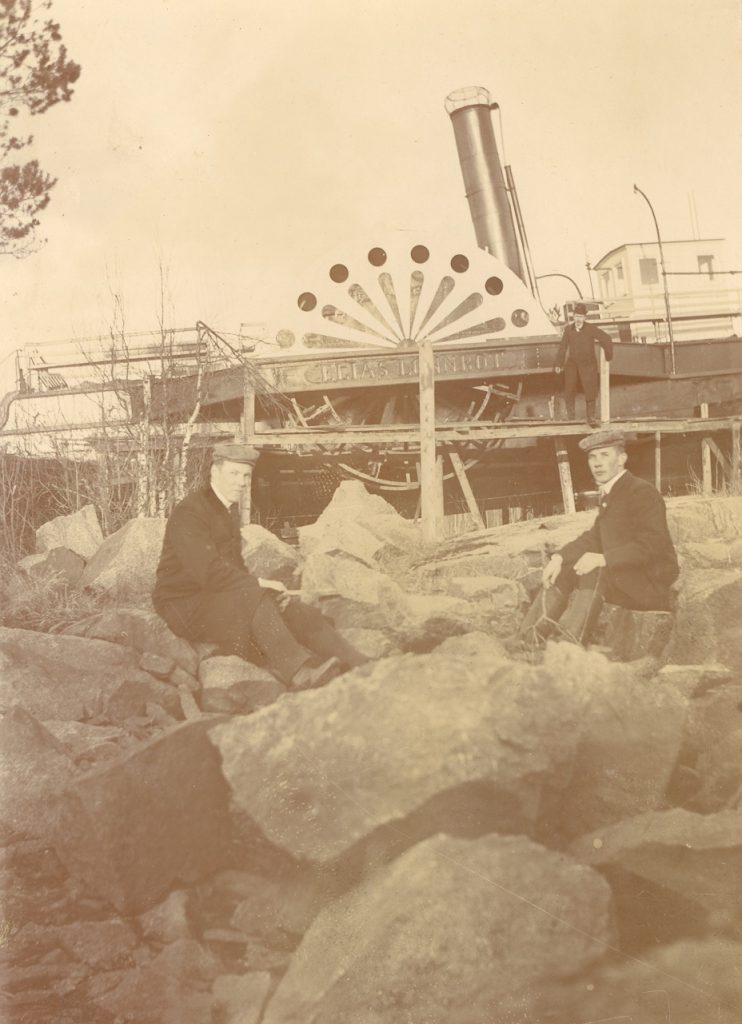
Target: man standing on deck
205	592
576	357
626	558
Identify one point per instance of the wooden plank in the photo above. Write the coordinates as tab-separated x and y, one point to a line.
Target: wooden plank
658	460
475	431
565	475
466	488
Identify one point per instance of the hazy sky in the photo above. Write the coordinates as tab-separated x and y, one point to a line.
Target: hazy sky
233	141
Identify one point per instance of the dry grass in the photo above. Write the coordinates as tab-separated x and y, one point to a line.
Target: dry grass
45	604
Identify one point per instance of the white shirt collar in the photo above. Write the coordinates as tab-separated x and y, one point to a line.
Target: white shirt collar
606	488
227	504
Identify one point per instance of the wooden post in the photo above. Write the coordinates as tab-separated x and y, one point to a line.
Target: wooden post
565	475
248	433
605	389
736	458
458	468
658	461
248	407
431	489
708	483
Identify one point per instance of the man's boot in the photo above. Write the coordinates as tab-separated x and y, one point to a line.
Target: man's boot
543	615
590	413
580	618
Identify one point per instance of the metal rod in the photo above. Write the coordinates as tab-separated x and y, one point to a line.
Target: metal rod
664	274
540	277
521	231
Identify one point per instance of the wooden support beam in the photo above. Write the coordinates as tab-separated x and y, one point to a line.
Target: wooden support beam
565	475
658	460
736	481
466	488
247	425
708	483
605	389
475	430
431	488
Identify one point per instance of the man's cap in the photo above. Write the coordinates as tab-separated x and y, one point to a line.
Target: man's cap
603	439
236	453
580	307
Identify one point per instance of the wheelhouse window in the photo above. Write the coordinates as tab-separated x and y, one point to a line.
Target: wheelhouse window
706	266
648	271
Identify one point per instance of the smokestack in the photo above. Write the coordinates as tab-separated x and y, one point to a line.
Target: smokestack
484	181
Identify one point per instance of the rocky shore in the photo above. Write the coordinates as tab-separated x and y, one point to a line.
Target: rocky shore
450	834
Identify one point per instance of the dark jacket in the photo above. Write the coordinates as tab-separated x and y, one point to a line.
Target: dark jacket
579	346
201	552
631	532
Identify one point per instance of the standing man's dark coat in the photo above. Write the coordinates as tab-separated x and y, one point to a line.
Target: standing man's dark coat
576	356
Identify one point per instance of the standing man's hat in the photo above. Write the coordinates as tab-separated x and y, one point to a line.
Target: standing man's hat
580	307
236	453
603	439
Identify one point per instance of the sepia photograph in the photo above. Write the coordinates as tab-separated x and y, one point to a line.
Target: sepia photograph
371	512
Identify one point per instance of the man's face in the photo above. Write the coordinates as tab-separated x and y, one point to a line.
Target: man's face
604	463
230	479
579	320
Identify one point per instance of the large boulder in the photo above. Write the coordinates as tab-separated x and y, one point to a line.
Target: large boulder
241	997
59	565
708	623
453	932
695	981
137	826
231	684
268	557
34	767
143	630
630	736
630	635
75	679
80	532
360	524
126	562
172	988
460	739
698	857
695	519
85	742
353	593
356	596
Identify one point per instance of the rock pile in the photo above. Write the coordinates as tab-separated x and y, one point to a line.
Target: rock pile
447	834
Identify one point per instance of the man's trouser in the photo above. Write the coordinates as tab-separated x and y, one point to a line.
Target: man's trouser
588	376
252	626
571	607
552	610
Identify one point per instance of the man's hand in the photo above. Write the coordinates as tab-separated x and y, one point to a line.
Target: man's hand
589	561
551	570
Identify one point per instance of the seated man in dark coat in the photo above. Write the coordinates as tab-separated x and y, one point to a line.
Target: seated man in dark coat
626	558
204	591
